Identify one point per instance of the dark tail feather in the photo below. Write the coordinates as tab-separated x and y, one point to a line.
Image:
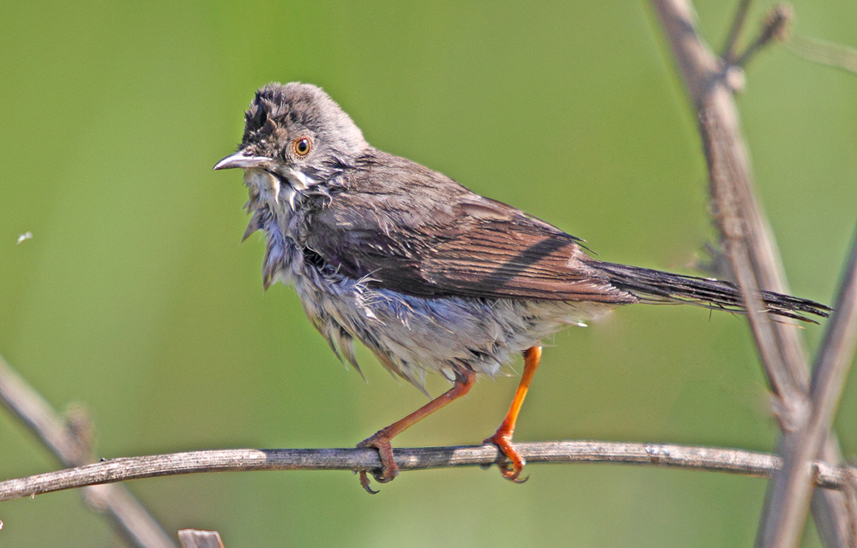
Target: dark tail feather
653	286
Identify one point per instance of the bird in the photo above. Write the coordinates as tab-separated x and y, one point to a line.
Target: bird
428	275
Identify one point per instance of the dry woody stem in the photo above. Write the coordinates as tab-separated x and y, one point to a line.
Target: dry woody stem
234	460
750	249
70	443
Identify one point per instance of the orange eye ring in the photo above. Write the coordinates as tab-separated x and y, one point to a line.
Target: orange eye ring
302	146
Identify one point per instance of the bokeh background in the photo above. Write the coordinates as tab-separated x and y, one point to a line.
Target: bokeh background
135	298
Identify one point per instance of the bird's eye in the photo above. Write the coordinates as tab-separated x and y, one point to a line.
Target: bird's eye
302	146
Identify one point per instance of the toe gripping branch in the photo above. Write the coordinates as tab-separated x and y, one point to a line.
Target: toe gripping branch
502	438
381	439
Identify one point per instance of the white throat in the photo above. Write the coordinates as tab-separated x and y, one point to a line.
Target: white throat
269	190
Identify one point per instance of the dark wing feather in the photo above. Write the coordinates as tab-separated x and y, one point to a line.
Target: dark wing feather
426	235
654	286
517	258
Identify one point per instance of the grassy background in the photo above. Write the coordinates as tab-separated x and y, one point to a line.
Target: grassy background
135	298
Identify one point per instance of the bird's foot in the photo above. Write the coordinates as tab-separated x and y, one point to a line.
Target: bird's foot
510	470
388	472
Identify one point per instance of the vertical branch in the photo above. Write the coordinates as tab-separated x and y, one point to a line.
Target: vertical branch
127	516
747	240
793	487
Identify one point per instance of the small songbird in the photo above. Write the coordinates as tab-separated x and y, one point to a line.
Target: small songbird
425	273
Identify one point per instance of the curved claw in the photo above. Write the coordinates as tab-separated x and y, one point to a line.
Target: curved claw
364	482
511	473
388	472
513	469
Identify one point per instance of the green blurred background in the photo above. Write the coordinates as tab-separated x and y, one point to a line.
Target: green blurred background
135	298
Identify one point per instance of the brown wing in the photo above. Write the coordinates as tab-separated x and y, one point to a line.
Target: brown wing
515	258
428	236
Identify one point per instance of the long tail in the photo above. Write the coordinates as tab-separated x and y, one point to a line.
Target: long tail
653	286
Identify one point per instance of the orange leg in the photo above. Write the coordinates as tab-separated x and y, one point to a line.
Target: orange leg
381	439
502	438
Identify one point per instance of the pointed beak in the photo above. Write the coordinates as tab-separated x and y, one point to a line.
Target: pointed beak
242	160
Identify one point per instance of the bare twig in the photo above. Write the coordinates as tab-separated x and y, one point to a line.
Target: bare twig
746	237
775	27
125	512
735	30
193	538
233	460
792	489
748	242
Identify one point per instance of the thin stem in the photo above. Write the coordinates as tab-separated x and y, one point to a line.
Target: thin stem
792	488
735	31
774	28
748	241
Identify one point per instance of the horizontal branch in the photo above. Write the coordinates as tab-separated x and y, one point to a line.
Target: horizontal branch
233	460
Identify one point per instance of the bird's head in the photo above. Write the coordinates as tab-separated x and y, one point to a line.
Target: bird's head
295	137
